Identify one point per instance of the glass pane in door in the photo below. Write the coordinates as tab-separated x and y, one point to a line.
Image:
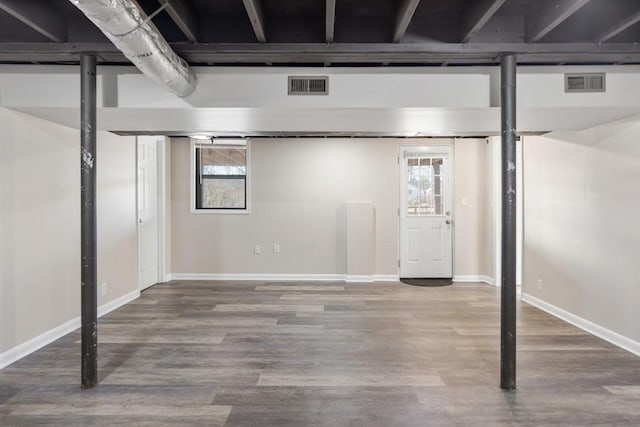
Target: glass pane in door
413	186
425	181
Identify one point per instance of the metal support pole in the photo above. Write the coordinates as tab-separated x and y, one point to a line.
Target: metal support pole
508	289
88	246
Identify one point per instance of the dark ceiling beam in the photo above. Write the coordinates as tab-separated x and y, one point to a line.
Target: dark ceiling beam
619	27
39	15
544	20
405	15
254	10
184	17
477	17
485	53
330	21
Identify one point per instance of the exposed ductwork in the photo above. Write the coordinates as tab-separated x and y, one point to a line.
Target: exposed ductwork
131	31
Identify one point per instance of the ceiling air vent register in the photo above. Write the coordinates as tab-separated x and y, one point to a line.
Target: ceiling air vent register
308	85
585	82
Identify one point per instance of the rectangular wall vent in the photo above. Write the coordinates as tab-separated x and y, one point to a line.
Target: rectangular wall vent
308	85
585	82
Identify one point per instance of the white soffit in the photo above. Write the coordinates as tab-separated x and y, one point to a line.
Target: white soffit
406	121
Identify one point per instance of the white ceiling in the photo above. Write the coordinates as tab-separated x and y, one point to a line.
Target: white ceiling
368	121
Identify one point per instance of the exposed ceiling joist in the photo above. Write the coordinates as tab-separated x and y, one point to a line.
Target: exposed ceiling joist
619	27
40	16
184	17
330	21
544	20
254	10
415	53
405	15
477	16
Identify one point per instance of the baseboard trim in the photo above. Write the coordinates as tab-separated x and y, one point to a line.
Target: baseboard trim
21	350
310	277
470	278
386	278
117	303
260	277
584	324
287	277
355	278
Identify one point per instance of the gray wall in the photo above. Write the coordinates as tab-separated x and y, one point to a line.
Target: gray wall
472	238
40	224
299	190
582	224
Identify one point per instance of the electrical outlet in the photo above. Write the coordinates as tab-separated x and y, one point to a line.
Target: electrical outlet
104	289
539	284
257	249
276	248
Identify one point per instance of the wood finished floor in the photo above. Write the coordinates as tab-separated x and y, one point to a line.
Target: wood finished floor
323	354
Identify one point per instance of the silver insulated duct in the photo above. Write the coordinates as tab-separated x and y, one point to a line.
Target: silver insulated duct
131	31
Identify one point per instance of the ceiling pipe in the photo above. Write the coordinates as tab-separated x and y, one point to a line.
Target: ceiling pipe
131	31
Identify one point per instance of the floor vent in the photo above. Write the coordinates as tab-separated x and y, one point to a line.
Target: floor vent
308	85
586	82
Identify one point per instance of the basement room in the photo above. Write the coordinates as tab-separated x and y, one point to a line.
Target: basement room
319	213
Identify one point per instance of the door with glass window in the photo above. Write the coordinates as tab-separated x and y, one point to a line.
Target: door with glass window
426	220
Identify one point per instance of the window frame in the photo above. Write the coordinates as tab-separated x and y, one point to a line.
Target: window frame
194	185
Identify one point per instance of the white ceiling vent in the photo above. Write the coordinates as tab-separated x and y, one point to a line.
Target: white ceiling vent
308	85
585	82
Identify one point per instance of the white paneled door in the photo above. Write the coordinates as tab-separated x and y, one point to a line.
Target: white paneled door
426	218
147	211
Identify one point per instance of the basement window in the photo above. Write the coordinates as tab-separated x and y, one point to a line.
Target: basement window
221	178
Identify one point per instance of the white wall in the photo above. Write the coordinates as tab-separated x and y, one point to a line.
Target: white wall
299	190
40	225
266	87
252	87
411	101
582	226
348	88
544	87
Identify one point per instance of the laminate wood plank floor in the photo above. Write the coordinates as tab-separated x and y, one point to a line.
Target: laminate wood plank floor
323	354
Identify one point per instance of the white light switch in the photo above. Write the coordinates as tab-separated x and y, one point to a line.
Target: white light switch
464	201
276	248
257	249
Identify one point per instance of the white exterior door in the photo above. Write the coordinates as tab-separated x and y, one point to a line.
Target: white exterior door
147	211
426	219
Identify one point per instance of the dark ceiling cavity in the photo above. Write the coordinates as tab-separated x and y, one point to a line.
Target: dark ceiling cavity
341	32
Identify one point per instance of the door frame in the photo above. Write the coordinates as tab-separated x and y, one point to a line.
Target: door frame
163	191
161	211
431	146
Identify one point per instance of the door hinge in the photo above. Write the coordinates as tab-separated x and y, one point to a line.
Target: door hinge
398	211
398	263
398	159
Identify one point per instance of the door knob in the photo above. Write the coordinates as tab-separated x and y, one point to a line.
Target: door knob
448	222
